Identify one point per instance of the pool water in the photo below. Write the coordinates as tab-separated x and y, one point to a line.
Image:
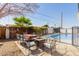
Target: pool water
63	37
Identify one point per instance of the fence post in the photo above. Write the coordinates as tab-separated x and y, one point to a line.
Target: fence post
72	36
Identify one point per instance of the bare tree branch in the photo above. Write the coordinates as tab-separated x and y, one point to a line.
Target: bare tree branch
3	7
17	9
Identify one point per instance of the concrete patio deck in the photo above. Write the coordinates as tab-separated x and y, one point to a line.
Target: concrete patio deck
67	50
62	49
13	48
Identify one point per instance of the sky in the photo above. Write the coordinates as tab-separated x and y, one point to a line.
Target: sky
50	13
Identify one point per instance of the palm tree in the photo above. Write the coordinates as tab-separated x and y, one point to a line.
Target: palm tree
22	21
46	25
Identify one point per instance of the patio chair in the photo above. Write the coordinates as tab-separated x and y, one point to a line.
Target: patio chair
20	37
50	46
31	45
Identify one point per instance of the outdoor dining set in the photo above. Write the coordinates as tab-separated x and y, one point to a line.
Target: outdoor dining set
33	42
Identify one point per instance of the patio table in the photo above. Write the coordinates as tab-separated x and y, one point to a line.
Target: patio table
40	42
29	36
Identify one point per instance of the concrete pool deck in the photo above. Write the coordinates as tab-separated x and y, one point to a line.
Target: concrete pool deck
62	49
10	48
67	49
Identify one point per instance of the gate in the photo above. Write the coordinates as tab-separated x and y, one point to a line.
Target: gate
2	32
75	36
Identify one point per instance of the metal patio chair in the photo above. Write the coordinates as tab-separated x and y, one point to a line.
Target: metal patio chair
50	46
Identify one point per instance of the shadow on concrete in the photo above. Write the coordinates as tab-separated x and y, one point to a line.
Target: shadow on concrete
7	40
52	53
56	53
1	45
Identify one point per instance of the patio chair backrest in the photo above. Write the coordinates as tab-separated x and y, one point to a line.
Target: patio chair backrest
29	44
49	44
32	45
20	37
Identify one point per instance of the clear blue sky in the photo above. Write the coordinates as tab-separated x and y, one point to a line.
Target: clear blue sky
51	14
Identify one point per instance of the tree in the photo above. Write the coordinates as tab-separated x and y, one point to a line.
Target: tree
22	21
46	25
17	8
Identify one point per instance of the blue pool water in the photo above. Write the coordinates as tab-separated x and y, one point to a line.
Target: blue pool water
62	36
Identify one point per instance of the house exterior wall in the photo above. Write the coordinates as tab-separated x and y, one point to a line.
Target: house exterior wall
66	30
50	30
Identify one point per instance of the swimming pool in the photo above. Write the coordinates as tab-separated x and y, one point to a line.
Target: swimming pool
63	37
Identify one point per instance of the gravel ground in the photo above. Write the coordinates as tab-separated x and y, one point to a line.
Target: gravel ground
9	48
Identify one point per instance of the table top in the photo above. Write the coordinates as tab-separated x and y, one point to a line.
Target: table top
38	39
30	35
